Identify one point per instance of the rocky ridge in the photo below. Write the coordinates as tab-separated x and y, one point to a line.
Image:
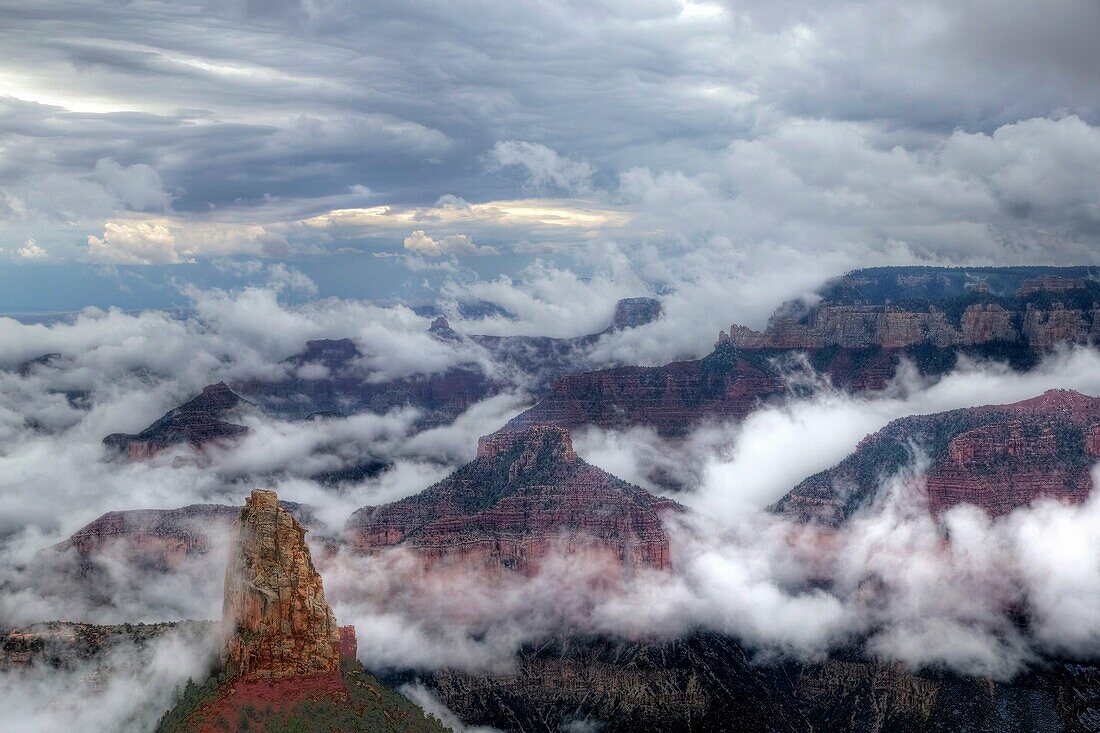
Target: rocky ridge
329	375
198	423
895	308
997	458
862	327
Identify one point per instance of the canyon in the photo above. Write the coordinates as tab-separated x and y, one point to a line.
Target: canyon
331	377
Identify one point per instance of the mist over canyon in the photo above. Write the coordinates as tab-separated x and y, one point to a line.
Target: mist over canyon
549	367
700	515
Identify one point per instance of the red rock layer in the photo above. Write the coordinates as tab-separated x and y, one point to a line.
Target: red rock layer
859	326
349	645
525	497
274	695
154	538
997	458
277	621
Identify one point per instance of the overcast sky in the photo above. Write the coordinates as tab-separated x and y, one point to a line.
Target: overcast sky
386	147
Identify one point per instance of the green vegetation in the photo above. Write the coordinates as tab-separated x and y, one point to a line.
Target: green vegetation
186	714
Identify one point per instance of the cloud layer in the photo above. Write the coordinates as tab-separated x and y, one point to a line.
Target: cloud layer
641	133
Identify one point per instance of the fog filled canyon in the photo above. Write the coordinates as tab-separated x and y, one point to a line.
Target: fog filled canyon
672	366
883	512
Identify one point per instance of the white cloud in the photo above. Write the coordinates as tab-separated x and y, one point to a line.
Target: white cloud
31	251
452	244
135	243
545	168
170	240
137	186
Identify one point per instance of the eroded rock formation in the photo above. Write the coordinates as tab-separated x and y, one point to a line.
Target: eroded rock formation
198	423
275	616
895	308
997	458
857	332
526	495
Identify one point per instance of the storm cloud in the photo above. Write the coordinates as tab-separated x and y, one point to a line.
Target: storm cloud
150	133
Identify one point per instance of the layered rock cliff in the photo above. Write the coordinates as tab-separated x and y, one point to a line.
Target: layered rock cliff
895	308
858	331
727	384
527	495
277	621
707	682
160	539
198	423
997	458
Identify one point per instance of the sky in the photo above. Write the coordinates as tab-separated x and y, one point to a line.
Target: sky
388	150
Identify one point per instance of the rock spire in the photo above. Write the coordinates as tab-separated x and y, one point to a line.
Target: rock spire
275	617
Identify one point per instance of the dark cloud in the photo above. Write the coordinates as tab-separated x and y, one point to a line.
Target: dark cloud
265	114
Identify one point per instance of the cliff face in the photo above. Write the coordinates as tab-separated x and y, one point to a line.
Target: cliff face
198	423
996	458
156	539
710	683
277	622
857	333
526	495
899	307
727	384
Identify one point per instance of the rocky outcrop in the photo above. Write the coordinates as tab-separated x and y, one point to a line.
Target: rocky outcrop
997	458
286	665
525	497
895	308
197	423
634	312
275	616
1049	284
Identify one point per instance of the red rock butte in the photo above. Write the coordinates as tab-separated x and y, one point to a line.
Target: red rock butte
526	497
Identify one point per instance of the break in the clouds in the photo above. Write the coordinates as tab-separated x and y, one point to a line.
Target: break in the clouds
149	133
